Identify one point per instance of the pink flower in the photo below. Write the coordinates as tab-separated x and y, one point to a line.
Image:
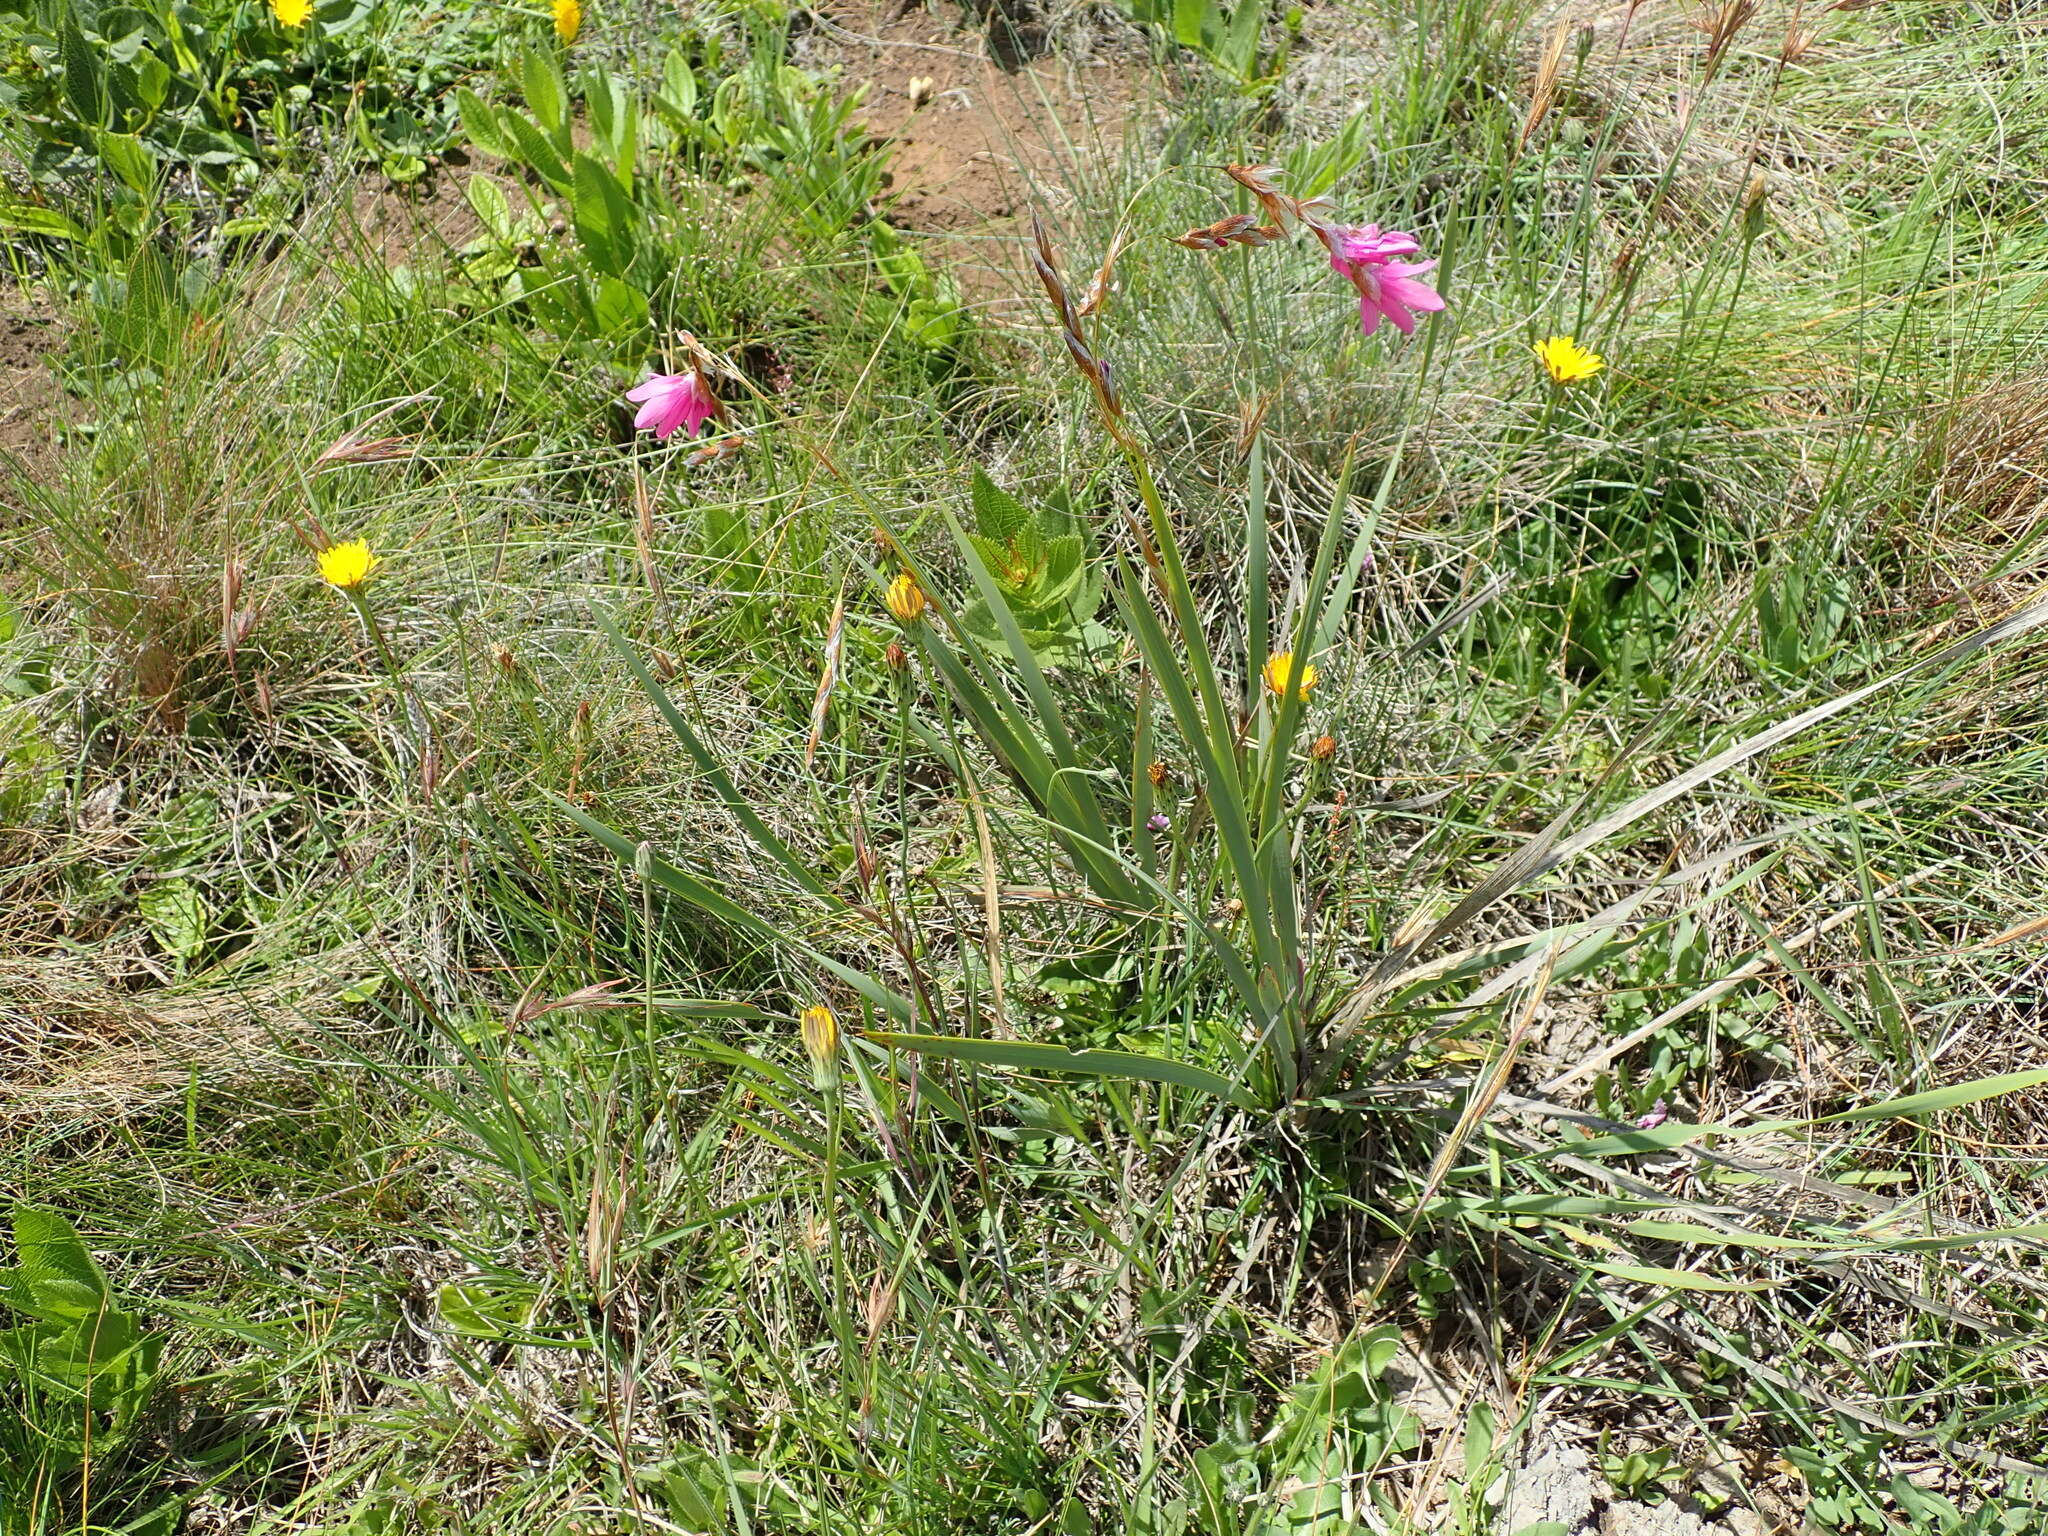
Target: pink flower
671	400
1387	290
1391	292
1659	1113
1353	244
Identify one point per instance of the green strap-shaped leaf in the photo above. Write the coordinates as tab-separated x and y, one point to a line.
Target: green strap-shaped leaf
707	898
728	792
1028	1056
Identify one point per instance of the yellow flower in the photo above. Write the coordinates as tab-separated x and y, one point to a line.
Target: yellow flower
292	14
1281	675
349	565
568	19
821	1033
1566	361
906	598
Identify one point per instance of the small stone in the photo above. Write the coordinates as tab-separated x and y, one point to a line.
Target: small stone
1557	1485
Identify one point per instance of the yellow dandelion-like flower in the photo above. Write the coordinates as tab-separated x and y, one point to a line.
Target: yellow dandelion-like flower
906	598
568	19
1566	361
349	565
820	1031
292	14
1282	678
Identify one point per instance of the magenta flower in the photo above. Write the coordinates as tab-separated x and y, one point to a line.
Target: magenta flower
671	400
1354	244
1659	1113
1387	290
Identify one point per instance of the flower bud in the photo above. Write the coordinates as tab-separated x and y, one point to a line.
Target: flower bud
1157	774
896	657
906	599
1323	748
820	1030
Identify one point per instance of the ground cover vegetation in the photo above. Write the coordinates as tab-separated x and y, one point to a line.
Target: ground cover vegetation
1325	814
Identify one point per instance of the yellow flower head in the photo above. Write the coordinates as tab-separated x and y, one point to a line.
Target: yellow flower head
348	565
906	598
292	14
820	1031
568	19
1281	676
1566	361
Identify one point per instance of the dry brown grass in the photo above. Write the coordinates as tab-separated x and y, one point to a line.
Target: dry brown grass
80	1045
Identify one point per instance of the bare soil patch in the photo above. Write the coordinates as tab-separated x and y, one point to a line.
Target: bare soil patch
973	136
32	402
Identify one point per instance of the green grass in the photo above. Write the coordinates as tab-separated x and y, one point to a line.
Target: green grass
296	951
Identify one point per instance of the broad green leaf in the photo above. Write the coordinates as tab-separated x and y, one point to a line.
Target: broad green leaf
84	76
620	306
548	95
480	122
604	219
1238	51
679	84
27	219
535	150
128	158
997	514
55	1264
177	918
487	199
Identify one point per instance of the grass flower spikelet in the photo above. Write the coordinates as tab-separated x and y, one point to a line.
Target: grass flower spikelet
347	566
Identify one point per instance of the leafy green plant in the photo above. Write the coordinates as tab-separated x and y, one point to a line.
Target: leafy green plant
1648	1477
77	1373
1038	559
933	315
1327	1437
1227	36
615	284
117	101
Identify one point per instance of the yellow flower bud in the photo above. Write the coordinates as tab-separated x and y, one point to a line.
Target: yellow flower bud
821	1033
906	599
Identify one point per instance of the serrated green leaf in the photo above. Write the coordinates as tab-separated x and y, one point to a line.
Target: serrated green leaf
997	514
546	94
535	150
55	1265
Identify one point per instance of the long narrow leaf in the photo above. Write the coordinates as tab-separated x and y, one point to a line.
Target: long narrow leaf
1032	1057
